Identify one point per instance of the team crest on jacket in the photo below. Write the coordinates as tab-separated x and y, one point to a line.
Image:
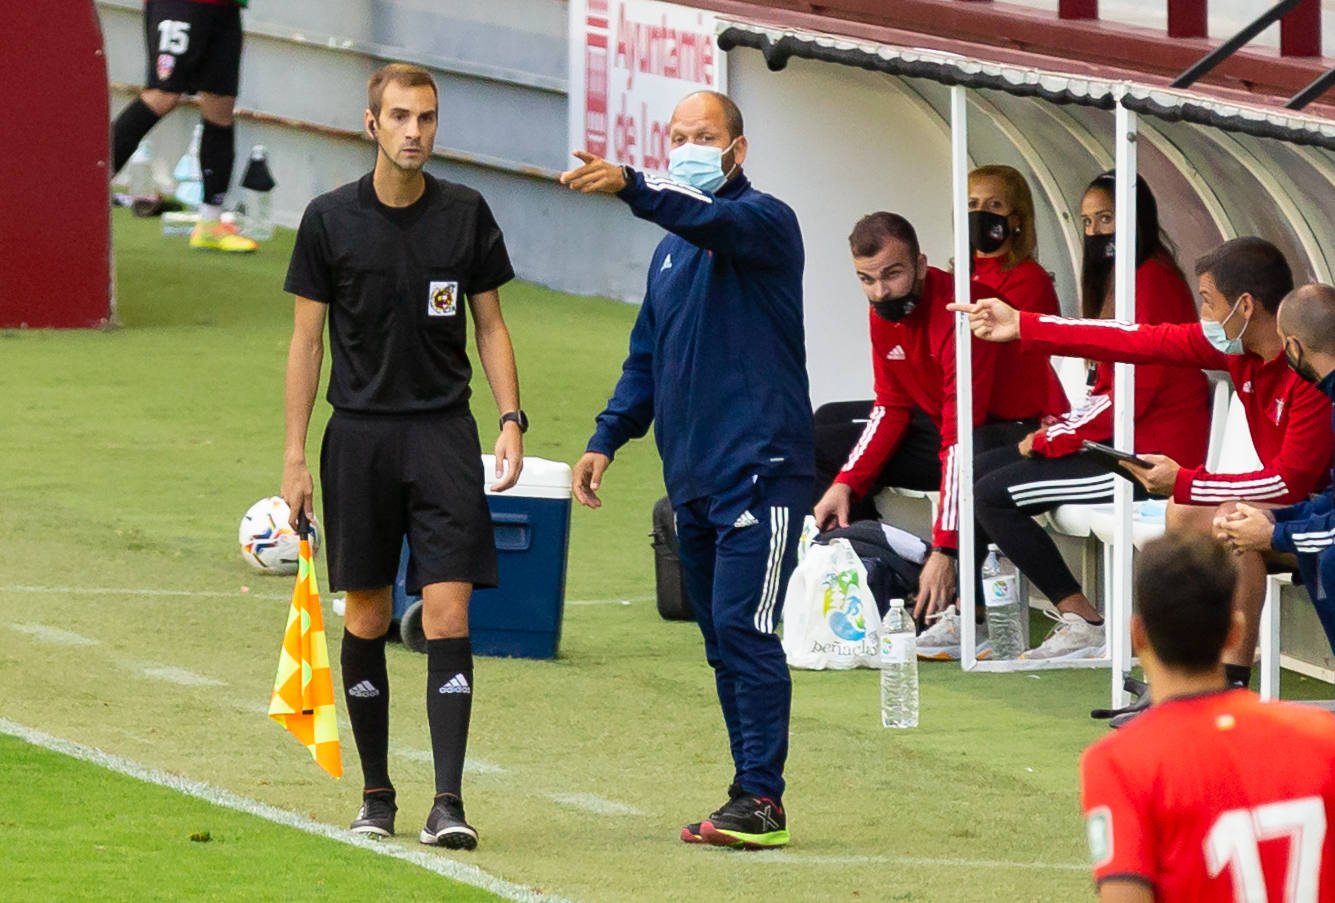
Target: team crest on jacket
442	299
165	64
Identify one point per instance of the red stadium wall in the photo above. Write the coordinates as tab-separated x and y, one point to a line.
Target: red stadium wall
55	224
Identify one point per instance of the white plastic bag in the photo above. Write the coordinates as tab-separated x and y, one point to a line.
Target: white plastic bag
830	620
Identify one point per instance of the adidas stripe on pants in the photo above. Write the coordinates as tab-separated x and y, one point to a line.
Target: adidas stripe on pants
1009	490
737	552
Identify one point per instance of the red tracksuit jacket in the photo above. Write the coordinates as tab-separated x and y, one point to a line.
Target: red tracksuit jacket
914	365
1172	404
1289	420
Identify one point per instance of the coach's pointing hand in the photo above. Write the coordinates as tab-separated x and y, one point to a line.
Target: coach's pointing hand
595	175
587	477
991	319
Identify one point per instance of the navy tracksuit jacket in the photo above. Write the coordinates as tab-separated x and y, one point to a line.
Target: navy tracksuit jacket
718	363
1307	530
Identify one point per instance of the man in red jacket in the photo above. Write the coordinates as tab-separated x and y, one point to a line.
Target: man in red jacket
913	359
1241	284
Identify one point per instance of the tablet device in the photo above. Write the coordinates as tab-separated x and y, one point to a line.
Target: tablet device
1110	458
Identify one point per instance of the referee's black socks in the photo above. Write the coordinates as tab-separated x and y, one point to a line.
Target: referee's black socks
449	706
366	693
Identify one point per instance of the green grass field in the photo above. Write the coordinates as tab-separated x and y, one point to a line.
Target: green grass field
129	623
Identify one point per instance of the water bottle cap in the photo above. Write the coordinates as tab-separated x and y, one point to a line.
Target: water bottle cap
896	603
992	547
258	152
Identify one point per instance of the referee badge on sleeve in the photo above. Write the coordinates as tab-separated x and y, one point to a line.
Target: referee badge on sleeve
442	299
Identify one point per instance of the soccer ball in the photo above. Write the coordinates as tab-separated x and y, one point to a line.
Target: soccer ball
268	542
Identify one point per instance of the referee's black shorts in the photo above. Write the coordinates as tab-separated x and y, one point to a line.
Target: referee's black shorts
193	47
420	476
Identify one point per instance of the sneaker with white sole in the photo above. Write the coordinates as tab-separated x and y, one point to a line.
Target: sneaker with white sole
376	816
446	825
1073	638
941	641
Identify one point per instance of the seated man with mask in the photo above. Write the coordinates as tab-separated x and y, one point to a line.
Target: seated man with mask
910	437
1241	284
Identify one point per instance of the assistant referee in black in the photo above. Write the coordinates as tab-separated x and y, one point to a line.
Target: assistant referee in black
393	261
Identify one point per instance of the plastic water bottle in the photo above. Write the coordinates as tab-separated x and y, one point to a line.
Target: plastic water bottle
899	668
139	173
188	175
258	183
1006	610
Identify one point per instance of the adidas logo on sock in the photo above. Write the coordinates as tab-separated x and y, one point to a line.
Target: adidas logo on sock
456	684
745	519
364	690
896	354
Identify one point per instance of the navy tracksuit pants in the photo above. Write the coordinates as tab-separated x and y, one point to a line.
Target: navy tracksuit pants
1318	573
737	552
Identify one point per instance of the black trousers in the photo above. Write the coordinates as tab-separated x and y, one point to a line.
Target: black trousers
1009	490
916	463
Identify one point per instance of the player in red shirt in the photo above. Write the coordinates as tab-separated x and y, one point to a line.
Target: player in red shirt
1211	796
1172	410
194	46
913	349
1241	285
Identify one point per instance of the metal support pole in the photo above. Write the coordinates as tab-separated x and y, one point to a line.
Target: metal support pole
1205	64
962	473
1300	30
1117	613
1188	18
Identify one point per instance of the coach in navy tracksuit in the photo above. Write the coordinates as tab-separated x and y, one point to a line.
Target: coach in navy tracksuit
718	360
1306	324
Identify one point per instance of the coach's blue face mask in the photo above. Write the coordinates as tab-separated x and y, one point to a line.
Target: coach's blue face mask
1216	336
699	165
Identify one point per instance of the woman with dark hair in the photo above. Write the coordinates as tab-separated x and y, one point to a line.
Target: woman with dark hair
1172	413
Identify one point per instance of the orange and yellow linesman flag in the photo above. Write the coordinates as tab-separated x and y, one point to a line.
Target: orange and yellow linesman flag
303	691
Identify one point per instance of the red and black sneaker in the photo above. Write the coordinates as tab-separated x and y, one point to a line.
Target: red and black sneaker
752	822
691	833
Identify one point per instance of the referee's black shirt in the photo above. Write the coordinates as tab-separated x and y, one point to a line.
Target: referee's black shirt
395	280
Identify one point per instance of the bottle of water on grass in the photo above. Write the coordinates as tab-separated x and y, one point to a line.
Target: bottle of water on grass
899	668
1006	610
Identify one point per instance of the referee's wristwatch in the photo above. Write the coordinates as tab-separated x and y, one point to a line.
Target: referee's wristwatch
518	417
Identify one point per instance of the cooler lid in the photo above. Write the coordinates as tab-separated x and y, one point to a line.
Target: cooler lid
540	479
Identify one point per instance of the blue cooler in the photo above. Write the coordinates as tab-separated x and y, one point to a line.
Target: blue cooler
521	617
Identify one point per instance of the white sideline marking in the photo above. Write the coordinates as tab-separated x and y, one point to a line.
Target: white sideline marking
53	635
629	601
179	676
432	862
593	803
229	594
787	857
123	591
471	766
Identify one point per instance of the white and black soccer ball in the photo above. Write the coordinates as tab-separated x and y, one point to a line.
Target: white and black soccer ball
268	542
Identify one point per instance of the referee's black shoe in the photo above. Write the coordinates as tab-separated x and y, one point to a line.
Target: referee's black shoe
691	833
446	827
376	816
752	822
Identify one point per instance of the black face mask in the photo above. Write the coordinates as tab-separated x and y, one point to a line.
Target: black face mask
1100	249
896	309
988	231
1296	364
